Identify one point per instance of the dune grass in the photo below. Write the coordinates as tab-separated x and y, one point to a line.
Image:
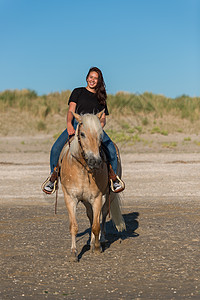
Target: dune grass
131	115
29	101
124	103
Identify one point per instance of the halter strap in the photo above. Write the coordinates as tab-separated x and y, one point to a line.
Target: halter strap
82	151
79	141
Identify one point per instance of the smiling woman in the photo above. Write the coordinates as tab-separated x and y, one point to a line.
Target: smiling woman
92	80
86	100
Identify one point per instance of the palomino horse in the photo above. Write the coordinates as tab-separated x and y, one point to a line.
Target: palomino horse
84	177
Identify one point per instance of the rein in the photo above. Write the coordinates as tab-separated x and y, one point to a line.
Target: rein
80	144
82	151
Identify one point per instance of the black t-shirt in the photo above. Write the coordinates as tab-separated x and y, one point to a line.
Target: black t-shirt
86	102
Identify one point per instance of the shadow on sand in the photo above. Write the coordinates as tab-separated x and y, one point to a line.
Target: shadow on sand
112	235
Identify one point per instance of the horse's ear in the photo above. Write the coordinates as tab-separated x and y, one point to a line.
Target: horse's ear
76	116
100	114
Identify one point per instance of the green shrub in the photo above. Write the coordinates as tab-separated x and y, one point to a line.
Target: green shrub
145	121
155	130
41	126
164	132
188	139
197	143
169	145
125	125
138	128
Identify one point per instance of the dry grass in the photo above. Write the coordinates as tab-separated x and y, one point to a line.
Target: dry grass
131	116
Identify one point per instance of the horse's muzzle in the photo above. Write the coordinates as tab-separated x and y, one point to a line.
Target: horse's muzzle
94	163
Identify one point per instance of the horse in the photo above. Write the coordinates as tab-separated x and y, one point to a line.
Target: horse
84	178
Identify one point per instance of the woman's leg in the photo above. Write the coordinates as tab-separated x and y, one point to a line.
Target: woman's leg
50	185
110	151
117	185
57	148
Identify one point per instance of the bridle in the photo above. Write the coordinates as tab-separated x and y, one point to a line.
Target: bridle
82	150
80	144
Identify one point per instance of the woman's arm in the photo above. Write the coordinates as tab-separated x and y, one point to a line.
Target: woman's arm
103	120
70	128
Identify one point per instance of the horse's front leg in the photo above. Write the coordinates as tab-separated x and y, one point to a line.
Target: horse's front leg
71	207
95	242
105	210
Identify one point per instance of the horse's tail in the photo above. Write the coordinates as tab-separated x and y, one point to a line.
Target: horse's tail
116	212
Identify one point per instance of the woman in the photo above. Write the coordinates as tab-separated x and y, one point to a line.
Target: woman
89	99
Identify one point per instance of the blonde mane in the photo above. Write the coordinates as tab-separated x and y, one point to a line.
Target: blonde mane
92	125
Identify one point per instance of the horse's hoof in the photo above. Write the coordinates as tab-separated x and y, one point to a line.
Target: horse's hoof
73	257
103	243
103	240
97	250
92	248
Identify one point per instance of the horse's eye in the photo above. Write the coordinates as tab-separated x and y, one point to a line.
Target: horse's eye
82	134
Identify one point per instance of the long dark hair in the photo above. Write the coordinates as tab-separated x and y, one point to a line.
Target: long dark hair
101	87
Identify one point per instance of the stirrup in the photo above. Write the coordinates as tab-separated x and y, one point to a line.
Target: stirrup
122	185
54	186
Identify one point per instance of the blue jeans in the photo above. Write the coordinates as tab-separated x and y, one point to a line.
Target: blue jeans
60	142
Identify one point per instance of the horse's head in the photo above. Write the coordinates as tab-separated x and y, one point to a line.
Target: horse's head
88	138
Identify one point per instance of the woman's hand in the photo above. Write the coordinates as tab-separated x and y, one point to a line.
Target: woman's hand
70	129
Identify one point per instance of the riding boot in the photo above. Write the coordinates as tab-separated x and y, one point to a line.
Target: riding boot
116	184
51	183
112	175
54	175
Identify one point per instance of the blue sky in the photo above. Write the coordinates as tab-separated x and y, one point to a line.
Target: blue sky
140	45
